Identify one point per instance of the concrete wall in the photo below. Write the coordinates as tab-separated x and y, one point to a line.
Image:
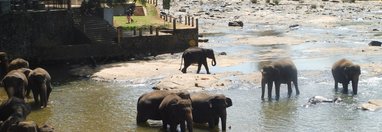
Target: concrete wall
23	31
50	36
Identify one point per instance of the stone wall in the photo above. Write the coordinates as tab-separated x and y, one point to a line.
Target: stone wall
21	32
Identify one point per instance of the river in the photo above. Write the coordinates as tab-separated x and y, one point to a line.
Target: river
79	104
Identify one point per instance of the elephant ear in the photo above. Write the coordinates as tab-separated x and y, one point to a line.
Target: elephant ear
228	102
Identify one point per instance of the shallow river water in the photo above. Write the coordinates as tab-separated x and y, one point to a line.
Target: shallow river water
87	105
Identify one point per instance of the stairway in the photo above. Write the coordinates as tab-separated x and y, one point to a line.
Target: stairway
98	30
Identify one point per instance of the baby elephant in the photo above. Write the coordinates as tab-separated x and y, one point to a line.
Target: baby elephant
282	71
175	110
40	84
208	108
197	55
345	71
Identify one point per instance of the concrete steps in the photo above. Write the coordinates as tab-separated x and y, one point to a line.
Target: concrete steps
98	30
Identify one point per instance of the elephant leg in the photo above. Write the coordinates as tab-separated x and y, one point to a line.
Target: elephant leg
199	66
49	86
277	90
216	121
164	125
355	86
270	90
140	118
345	88
36	96
186	65
336	86
211	123
289	89
206	66
183	126
262	89
296	86
173	127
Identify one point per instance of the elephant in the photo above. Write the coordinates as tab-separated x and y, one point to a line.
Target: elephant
18	63
208	108
344	71
148	105
40	84
281	71
197	55
3	64
15	84
175	110
13	111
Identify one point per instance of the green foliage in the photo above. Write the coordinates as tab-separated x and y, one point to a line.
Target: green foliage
151	19
166	4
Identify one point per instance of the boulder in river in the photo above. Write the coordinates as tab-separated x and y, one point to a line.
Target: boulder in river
236	23
375	43
372	105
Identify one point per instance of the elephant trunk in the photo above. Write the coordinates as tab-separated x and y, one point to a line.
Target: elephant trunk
355	84
213	63
224	119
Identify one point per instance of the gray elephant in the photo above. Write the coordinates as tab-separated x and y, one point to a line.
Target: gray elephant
208	108
15	84
175	110
148	105
18	63
13	111
344	71
40	84
281	71
197	55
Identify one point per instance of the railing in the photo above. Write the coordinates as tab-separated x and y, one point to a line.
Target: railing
39	4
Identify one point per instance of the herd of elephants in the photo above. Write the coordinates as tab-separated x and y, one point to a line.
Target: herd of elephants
173	108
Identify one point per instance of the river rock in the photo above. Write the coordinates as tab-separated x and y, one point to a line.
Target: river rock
202	40
236	23
46	128
372	105
192	82
375	43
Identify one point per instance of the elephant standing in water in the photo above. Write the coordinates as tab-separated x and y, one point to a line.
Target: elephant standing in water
174	111
40	84
15	84
282	71
345	71
148	105
17	64
207	108
13	111
197	55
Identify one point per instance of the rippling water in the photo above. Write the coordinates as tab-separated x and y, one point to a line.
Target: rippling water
86	105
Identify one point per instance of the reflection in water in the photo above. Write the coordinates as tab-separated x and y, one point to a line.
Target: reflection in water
279	116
